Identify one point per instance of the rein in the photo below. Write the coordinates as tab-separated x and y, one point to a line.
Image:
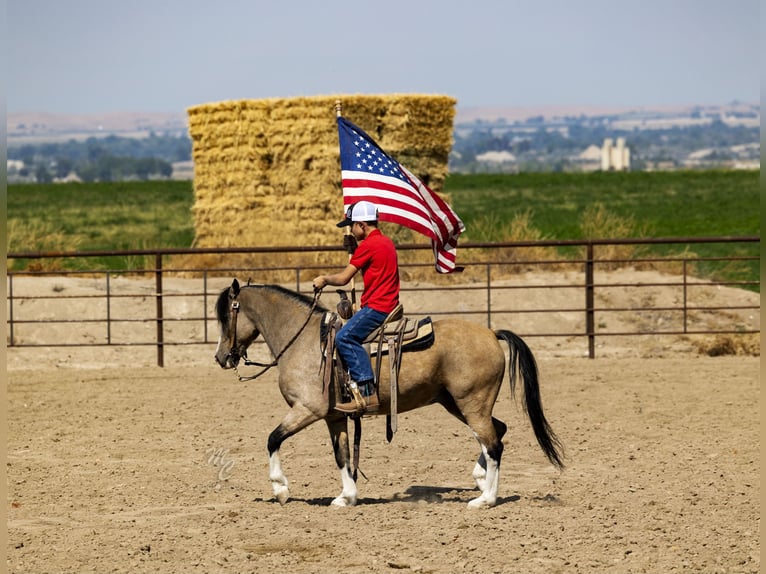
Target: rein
266	366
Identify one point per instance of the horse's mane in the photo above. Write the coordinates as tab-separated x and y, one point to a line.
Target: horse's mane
222	305
302	298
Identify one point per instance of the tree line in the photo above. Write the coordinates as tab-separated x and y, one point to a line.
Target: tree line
112	158
549	147
535	145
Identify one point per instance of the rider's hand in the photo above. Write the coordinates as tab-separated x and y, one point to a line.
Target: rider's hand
319	282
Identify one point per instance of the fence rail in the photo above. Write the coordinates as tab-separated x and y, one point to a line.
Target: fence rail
126	309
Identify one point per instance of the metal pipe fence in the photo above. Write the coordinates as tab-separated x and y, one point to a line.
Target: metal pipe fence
138	307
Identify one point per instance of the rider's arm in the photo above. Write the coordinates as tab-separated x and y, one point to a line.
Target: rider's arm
336	279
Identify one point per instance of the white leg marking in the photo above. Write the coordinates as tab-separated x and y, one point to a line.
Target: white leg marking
278	479
348	495
480	475
479	472
489	494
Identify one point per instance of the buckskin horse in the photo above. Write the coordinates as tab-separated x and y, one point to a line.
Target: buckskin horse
462	371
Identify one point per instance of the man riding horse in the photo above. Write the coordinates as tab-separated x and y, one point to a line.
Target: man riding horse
376	258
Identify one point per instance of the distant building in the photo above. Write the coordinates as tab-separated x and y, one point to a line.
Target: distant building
14	165
589	159
71	177
615	157
496	156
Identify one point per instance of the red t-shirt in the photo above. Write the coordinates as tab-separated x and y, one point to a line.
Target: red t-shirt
376	258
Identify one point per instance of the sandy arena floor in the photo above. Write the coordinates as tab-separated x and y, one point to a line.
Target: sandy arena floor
165	470
137	469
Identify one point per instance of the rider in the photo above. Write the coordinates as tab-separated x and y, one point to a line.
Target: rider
376	258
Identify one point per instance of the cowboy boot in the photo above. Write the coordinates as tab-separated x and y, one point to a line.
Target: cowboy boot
370	394
359	403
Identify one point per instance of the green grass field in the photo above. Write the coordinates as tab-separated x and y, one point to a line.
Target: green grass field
113	216
668	204
646	204
99	216
92	216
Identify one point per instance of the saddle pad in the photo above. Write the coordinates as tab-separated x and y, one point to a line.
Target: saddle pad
406	326
422	338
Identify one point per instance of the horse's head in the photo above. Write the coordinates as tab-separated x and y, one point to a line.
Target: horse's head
237	331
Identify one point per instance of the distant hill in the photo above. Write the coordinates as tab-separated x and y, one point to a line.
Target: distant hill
522	113
548	113
37	127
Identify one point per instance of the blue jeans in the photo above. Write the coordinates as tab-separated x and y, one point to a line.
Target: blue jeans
349	340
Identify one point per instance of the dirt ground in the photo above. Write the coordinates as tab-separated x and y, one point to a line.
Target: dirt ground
136	469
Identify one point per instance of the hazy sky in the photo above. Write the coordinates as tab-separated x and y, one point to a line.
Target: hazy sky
80	56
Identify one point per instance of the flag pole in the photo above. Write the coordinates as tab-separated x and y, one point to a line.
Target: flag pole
347	229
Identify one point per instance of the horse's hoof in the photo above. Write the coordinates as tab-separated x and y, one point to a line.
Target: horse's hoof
480	502
282	495
342	501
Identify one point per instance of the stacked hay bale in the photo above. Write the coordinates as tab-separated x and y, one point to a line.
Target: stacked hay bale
267	172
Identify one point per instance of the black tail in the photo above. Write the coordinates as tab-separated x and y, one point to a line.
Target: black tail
522	357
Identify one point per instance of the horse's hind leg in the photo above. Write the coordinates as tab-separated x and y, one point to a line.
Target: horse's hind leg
491	454
486	473
480	470
338	428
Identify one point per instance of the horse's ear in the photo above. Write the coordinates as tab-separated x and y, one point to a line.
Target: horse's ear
235	287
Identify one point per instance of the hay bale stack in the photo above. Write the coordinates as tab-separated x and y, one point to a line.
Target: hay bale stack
267	172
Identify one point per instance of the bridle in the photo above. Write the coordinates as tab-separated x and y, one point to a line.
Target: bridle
234	354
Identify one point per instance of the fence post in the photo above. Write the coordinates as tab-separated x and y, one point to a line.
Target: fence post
158	289
10	310
685	301
204	303
108	309
489	298
590	322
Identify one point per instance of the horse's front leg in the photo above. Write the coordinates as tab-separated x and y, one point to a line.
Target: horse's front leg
339	434
297	419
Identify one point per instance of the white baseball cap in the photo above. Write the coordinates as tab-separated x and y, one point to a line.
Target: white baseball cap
360	211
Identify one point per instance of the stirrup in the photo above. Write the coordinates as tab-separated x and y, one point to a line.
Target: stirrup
357	404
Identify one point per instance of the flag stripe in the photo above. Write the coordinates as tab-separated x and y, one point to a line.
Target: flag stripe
388	198
385	186
400	215
442	215
438	206
405	213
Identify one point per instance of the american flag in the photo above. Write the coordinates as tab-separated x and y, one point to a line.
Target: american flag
369	174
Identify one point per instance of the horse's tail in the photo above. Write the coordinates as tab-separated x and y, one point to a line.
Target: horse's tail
522	357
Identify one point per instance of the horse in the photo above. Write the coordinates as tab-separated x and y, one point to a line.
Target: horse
462	371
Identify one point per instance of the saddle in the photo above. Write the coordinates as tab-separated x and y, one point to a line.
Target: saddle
411	334
397	334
